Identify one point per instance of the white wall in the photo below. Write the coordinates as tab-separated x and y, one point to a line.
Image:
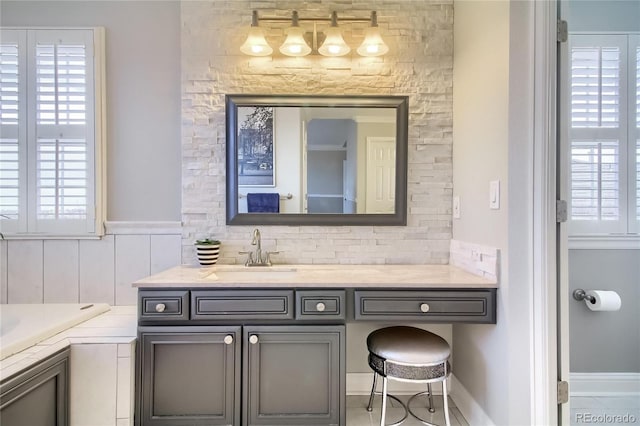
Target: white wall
143	96
92	271
490	361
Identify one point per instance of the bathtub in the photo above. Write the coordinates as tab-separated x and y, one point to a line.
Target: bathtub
25	325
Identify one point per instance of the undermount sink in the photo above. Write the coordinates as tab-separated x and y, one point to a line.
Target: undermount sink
252	273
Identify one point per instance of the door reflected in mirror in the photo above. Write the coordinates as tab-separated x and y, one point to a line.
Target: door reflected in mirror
316	160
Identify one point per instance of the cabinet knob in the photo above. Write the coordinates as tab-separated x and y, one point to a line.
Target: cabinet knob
253	339
320	307
160	307
424	307
228	339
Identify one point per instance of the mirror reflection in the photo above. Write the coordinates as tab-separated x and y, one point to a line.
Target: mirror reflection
316	160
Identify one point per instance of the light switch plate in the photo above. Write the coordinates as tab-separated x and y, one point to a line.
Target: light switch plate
456	207
494	194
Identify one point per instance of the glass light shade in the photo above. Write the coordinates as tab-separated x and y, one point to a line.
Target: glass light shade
334	44
295	45
256	45
373	45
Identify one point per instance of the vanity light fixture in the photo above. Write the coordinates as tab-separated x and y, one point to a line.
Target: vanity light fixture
334	44
302	43
295	44
256	44
373	45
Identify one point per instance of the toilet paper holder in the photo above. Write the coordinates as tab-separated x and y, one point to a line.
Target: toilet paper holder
580	295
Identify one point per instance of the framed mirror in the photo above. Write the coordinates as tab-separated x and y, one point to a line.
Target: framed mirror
316	160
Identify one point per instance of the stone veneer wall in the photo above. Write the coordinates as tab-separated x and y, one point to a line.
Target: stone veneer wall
419	64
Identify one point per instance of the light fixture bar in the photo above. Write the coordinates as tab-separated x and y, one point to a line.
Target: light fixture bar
295	44
288	20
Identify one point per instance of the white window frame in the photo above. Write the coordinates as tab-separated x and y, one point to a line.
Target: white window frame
622	233
634	134
28	225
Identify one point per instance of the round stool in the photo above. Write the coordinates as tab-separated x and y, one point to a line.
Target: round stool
412	355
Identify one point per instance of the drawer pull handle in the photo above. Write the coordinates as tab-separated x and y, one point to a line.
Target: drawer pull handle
320	307
424	307
160	307
228	339
253	339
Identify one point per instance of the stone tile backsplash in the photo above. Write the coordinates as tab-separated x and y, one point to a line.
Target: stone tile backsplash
419	64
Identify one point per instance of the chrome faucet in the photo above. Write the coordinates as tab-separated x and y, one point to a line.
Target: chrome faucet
258	258
257	241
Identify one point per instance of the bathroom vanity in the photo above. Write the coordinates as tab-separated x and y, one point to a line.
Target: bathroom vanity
231	345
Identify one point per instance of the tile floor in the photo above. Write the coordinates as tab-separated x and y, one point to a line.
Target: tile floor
357	414
602	410
591	410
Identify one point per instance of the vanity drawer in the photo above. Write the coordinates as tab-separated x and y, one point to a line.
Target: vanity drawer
470	306
241	304
163	305
320	304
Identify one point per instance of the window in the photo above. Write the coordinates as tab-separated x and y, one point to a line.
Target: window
604	146
51	143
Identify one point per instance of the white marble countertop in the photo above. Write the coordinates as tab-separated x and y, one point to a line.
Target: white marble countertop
316	276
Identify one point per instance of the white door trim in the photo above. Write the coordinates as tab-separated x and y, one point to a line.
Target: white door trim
544	300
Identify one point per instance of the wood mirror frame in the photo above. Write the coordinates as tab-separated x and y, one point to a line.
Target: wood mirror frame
397	218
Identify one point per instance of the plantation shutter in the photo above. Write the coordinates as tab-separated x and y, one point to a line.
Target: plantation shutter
13	160
634	134
63	156
48	154
598	134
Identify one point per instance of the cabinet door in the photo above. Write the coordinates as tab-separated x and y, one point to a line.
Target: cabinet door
189	376
39	395
294	375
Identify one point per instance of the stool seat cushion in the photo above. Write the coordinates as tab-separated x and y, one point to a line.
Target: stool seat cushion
408	345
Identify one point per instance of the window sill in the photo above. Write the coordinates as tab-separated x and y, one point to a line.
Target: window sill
605	242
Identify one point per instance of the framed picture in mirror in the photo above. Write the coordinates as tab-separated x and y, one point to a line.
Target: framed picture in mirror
256	153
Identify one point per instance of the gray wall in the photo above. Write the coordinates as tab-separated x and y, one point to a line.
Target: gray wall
604	15
605	341
143	96
596	341
485	355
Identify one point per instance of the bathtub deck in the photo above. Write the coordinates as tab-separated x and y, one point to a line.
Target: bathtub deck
25	325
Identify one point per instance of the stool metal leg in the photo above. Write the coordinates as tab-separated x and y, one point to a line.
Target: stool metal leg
431	409
373	391
384	401
446	403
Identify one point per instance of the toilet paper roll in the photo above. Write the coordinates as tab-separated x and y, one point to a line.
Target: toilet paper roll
604	300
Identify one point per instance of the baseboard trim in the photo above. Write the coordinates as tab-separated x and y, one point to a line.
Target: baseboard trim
604	384
469	407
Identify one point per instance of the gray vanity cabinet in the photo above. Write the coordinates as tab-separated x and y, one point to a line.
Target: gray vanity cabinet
241	357
38	395
189	375
293	375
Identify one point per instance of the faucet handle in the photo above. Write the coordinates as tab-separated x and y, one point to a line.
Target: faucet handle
249	260
267	258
